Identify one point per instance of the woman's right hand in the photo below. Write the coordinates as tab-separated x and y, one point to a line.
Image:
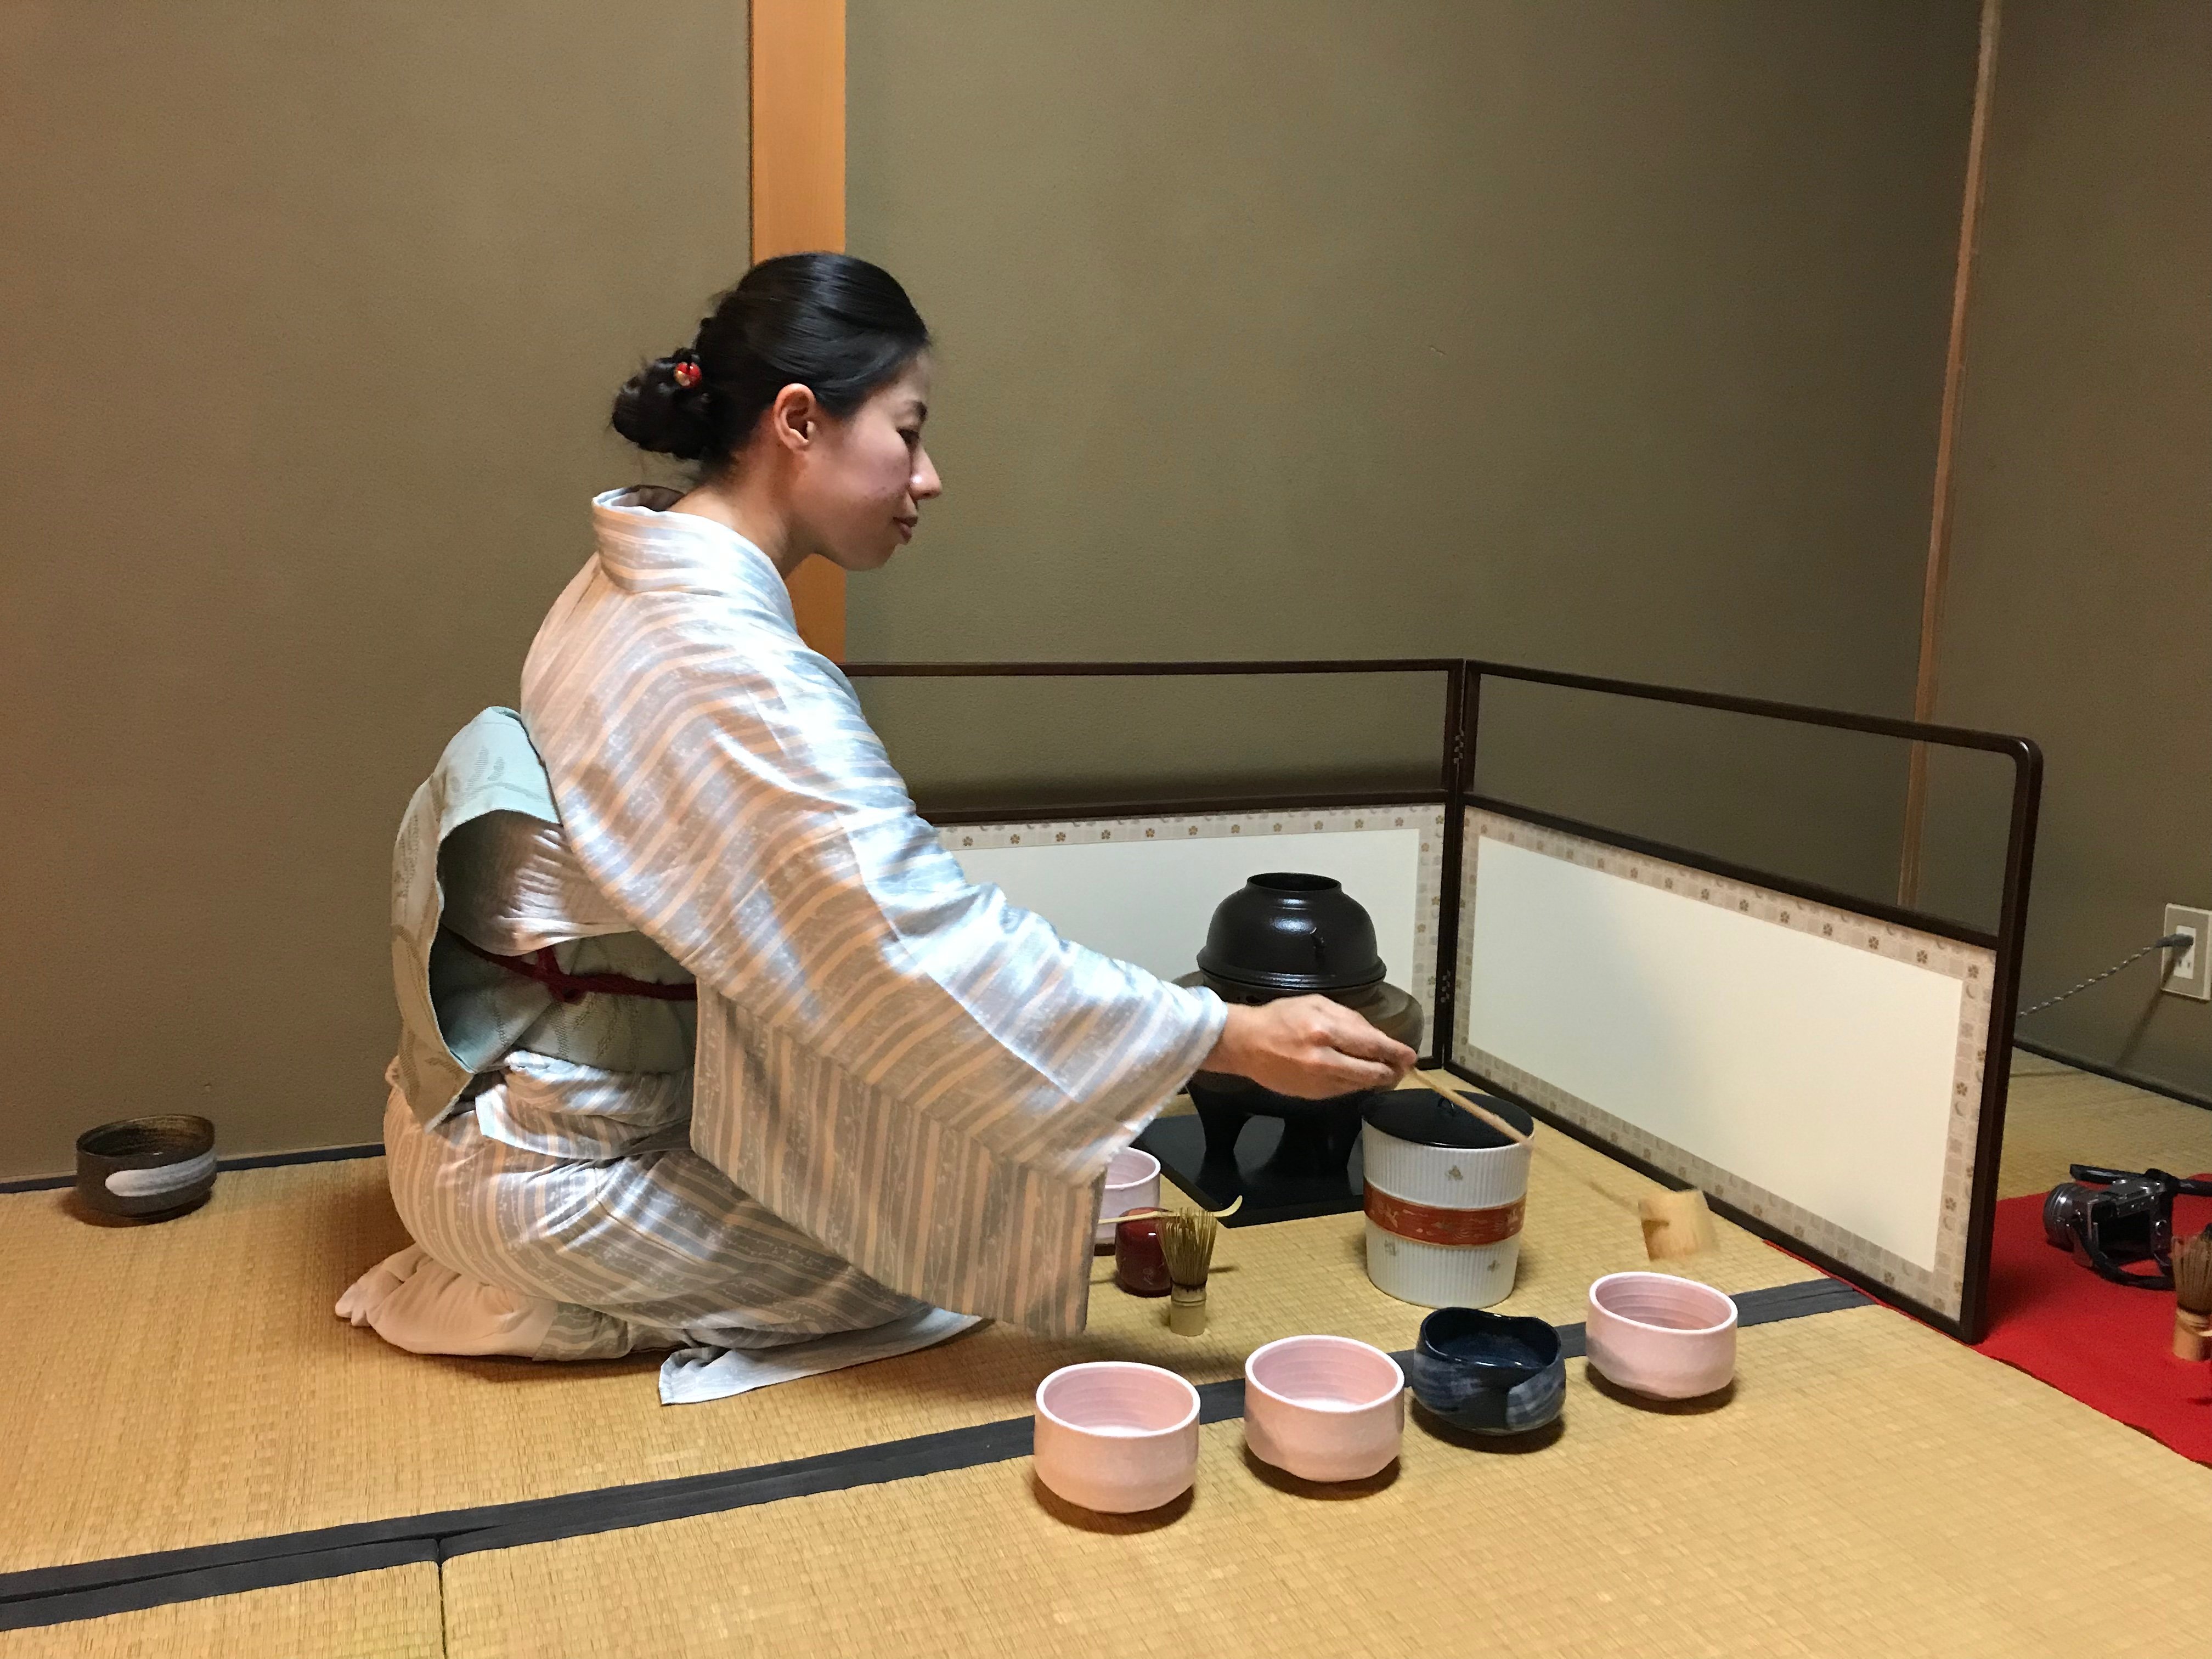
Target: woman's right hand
1307	1046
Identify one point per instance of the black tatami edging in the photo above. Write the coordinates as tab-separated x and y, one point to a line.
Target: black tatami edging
2149	1085
91	1590
250	1161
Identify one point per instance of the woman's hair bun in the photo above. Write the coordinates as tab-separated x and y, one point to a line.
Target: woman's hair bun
656	410
836	325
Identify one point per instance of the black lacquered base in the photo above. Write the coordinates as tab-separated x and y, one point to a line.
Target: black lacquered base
1179	1143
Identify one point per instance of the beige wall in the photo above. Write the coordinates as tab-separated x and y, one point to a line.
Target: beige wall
1606	336
309	322
2080	598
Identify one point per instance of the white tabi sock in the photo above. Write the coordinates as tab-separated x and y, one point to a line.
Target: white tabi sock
419	1304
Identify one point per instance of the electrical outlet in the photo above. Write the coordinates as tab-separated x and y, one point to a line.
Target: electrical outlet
2189	970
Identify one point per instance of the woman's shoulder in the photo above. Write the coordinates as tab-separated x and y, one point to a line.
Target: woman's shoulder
608	654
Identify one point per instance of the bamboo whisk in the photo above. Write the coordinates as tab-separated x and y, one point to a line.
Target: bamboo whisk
2192	1295
1187	1240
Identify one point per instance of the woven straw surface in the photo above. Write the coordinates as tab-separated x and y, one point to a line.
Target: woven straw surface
2055	1115
393	1615
1869	1488
193	1386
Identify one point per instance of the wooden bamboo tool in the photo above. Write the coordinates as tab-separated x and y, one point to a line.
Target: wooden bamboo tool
1676	1224
1156	1211
1472	1109
2192	1295
1187	1240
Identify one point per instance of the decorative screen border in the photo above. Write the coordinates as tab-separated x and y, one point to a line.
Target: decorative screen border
1943	1289
1262	824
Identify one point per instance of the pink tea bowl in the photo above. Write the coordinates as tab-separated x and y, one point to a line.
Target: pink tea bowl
1324	1407
1654	1333
1116	1437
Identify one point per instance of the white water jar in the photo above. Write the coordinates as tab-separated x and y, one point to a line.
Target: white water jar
1444	1197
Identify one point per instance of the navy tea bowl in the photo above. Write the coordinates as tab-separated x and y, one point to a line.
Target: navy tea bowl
1488	1373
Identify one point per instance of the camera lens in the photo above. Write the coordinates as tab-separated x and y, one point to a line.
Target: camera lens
2064	1212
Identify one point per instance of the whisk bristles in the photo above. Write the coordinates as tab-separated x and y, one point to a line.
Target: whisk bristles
1187	1240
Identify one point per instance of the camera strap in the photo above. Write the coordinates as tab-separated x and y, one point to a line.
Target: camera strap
2094	1258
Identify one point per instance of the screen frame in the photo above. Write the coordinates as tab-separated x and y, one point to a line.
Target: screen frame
1459	747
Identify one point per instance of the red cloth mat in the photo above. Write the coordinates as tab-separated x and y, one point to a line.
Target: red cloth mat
2108	1346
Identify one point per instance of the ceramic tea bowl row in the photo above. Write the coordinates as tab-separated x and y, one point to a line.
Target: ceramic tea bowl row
1488	1373
1324	1407
1652	1334
1121	1437
1116	1437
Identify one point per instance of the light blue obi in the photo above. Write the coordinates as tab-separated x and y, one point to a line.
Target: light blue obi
480	854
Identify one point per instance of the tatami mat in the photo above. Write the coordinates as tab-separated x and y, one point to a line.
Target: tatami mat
2055	1115
1869	1489
195	1389
393	1615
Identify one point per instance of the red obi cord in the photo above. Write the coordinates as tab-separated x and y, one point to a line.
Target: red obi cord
545	968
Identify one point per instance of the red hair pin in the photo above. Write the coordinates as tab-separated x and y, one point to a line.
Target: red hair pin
685	375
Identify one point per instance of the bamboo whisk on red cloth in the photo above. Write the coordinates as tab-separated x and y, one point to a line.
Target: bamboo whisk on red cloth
2192	1295
2109	1346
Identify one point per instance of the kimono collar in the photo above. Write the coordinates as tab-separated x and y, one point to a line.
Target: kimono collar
645	547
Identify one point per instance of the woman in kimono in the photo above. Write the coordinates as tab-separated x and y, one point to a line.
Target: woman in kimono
706	1042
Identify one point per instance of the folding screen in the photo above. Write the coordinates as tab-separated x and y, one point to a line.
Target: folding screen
1829	1068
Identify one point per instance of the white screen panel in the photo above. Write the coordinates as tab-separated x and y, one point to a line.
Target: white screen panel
1818	1069
1820	1073
1148	901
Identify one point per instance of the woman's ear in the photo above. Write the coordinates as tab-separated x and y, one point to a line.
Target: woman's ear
794	419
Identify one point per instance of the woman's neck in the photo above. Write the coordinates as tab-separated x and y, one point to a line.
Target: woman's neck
755	509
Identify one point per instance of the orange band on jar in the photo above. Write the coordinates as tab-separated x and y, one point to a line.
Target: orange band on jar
1425	1224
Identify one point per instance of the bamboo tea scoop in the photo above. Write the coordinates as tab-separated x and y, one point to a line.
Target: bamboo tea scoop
1154	1212
1473	1110
1676	1224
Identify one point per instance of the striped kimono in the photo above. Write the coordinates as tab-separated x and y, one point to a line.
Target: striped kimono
905	1090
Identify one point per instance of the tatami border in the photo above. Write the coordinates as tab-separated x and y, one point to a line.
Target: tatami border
91	1590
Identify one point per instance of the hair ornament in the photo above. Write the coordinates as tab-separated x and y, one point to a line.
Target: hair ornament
685	373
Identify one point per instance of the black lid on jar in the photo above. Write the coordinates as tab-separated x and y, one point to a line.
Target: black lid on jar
1286	931
1425	1118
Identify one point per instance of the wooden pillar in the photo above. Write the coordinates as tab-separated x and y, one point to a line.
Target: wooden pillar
1939	524
798	61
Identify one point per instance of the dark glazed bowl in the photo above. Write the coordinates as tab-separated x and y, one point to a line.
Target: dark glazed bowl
146	1167
1289	934
1488	1373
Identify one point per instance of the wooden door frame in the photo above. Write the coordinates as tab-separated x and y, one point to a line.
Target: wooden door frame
1937	577
797	61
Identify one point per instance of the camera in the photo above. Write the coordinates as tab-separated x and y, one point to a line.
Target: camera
2108	1218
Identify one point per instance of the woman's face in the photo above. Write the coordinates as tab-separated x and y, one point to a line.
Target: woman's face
860	489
